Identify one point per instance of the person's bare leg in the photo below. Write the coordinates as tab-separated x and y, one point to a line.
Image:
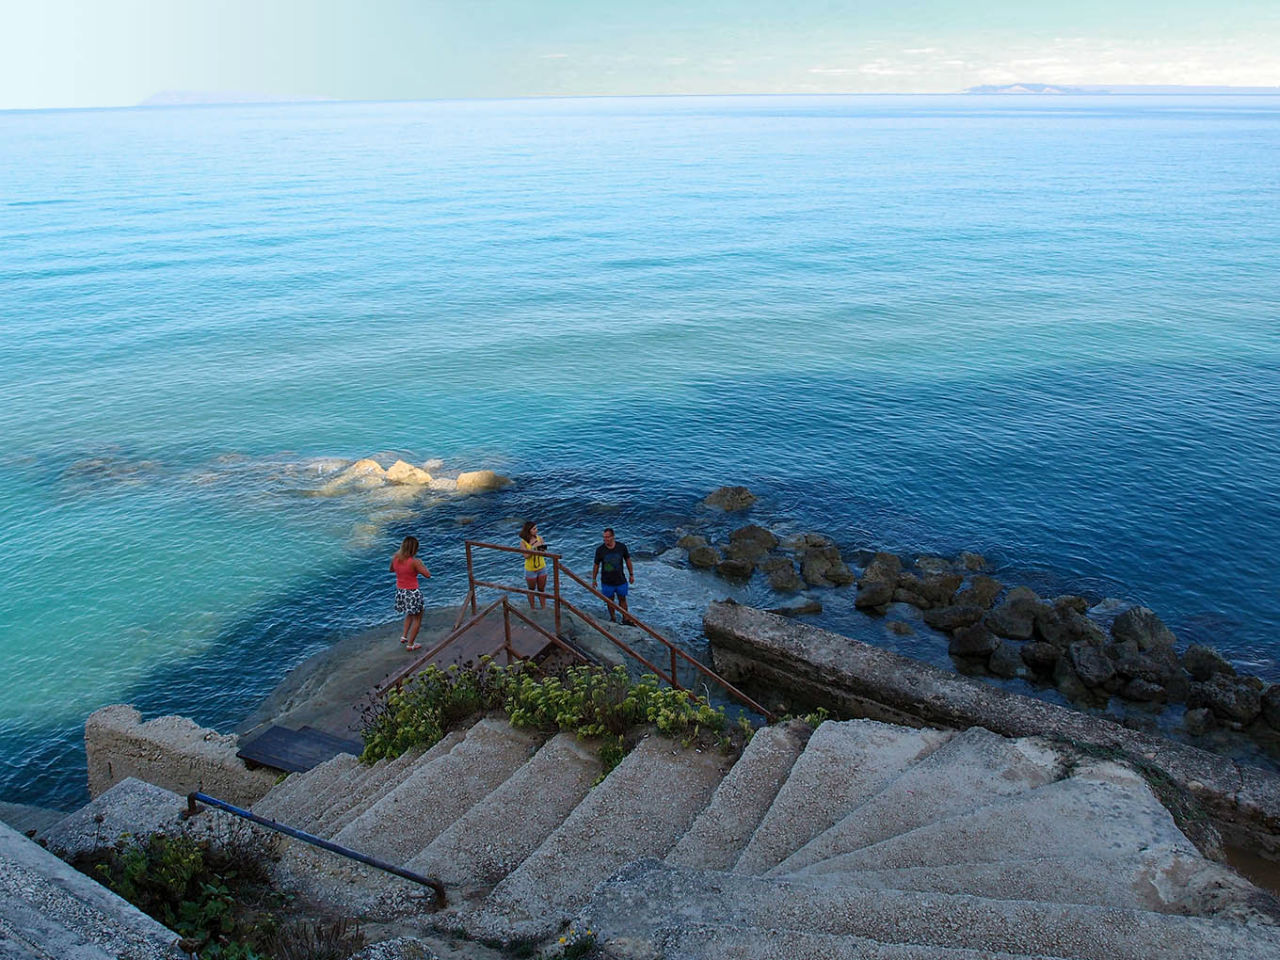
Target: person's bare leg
542	590
532	584
626	617
404	633
412	631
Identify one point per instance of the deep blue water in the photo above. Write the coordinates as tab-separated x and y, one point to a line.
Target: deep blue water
1046	330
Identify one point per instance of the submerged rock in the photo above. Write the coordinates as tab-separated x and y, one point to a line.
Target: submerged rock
730	498
734	569
401	472
691	541
1238	699
972	561
805	608
361	475
1143	627
952	618
973	641
481	481
755	534
704	557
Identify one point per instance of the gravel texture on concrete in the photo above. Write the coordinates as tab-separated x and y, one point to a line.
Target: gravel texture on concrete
497	834
631	913
969	771
844	765
722	830
645	804
50	910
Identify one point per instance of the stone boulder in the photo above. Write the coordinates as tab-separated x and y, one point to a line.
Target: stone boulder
1238	699
907	590
1091	664
931	566
1006	660
704	557
805	608
1041	657
1204	662
754	533
1143	627
1069	683
481	481
748	551
939	589
691	540
1143	691
406	473
1157	665
732	569
1271	706
361	475
444	484
972	561
876	586
981	591
1069	601
1015	617
952	618
1198	722
973	641
782	575
730	499
824	567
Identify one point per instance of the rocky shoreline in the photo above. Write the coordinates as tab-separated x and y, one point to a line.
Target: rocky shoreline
1094	652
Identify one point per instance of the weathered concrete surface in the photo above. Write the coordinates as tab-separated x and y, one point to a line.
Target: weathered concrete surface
641	808
723	829
171	752
753	647
50	910
843	765
638	908
971	770
24	817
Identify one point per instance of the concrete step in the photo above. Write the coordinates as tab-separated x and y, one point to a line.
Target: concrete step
404	821
709	941
971	770
843	765
502	830
407	764
50	910
629	913
355	786
722	830
293	800
1104	811
309	816
381	778
645	804
1160	879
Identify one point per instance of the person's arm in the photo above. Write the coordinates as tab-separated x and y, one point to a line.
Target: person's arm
422	568
631	571
392	565
595	568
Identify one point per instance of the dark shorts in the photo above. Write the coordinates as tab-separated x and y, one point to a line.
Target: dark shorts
408	602
614	590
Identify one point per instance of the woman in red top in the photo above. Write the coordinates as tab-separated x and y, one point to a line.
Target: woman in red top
406	566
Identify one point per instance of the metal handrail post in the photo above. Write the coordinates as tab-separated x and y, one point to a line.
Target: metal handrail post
471	577
506	627
555	573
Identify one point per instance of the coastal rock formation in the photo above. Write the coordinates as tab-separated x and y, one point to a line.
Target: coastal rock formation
361	475
481	481
878	580
401	472
730	499
704	557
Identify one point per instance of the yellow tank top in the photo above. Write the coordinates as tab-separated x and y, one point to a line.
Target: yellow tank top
533	564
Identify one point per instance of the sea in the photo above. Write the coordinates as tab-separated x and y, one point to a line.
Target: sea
1043	329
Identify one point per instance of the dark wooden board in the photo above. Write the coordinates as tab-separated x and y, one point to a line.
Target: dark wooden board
295	750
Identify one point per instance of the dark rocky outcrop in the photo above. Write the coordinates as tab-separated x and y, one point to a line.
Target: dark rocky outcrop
691	541
1204	662
733	569
1015	617
754	533
939	589
981	591
782	575
1006	660
1041	657
1143	627
730	498
1271	706
952	618
972	561
973	641
704	557
1237	699
1092	665
876	586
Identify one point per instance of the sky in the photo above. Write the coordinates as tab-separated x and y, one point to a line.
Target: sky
96	53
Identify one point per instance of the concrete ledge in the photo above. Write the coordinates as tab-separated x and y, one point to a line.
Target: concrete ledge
170	752
762	650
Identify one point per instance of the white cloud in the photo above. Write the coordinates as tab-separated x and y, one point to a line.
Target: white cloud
554	56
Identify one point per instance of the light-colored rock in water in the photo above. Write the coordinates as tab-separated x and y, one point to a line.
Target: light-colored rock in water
361	475
444	484
401	472
432	465
481	481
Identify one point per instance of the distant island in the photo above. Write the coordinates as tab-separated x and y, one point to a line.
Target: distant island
1023	89
180	98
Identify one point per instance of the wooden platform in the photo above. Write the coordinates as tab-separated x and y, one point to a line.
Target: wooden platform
295	750
486	639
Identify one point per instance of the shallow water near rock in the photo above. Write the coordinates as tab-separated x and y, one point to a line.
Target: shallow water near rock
1045	331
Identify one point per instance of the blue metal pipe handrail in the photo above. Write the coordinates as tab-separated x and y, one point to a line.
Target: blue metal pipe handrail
321	842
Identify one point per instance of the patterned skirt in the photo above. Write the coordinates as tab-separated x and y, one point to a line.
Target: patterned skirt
408	602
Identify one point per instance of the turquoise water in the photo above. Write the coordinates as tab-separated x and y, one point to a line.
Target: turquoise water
1046	330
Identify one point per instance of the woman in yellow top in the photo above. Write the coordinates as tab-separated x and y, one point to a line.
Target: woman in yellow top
535	567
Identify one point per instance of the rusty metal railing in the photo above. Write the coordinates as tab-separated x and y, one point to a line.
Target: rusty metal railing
463	624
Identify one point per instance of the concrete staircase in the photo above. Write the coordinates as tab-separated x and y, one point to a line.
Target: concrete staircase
49	911
860	839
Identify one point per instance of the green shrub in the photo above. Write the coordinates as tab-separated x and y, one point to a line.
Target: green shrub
592	702
216	898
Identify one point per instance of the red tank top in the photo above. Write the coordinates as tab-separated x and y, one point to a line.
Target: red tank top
406	573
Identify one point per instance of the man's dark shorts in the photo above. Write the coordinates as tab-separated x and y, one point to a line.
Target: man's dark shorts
614	590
